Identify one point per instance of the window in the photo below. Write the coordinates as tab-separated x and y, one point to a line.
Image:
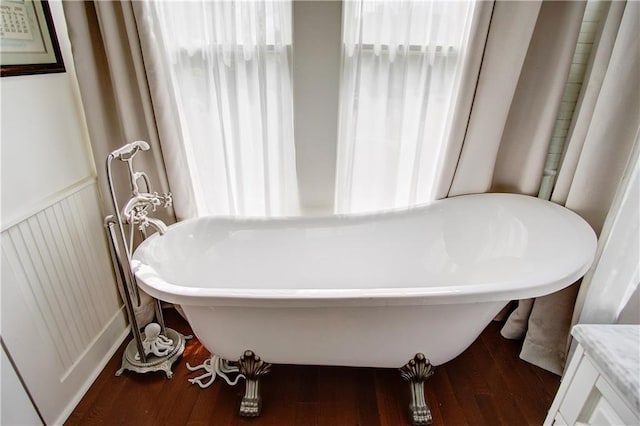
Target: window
402	63
230	71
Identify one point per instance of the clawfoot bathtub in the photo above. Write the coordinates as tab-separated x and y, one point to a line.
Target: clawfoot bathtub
394	289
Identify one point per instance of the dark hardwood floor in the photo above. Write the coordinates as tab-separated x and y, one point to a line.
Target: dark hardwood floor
487	385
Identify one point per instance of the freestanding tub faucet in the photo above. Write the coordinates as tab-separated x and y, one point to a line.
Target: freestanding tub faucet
135	216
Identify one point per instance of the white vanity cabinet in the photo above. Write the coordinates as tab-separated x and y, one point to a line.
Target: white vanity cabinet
601	385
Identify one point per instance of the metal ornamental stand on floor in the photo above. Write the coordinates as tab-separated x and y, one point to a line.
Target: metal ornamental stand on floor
158	347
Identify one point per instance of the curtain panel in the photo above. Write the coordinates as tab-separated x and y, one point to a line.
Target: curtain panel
113	88
611	286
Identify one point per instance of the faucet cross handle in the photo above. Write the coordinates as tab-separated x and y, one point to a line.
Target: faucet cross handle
168	199
136	211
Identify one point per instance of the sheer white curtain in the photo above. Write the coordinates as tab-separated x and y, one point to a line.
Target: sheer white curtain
402	67
608	133
228	66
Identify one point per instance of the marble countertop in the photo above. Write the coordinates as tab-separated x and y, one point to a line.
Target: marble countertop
615	349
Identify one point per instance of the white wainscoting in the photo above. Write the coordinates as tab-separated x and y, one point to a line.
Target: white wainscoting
61	316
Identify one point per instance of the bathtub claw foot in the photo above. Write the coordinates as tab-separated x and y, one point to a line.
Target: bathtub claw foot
416	371
252	367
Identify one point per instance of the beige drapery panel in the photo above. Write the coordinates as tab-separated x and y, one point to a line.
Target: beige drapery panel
525	67
116	99
113	87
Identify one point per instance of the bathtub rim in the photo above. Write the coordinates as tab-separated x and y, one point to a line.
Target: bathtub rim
150	282
460	294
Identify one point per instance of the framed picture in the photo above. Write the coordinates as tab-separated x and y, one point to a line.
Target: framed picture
28	42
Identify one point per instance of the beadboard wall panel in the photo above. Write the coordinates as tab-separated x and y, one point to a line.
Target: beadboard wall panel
61	314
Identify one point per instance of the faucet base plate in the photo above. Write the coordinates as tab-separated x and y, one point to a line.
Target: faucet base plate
154	363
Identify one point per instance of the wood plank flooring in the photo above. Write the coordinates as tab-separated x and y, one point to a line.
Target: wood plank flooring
486	385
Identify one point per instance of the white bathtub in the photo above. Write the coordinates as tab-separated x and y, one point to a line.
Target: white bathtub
363	290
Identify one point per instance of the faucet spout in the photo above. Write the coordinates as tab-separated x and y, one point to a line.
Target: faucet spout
158	225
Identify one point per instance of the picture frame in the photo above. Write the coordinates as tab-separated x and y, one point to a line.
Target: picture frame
28	41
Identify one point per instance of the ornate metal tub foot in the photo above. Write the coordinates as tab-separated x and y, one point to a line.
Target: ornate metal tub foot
417	371
252	367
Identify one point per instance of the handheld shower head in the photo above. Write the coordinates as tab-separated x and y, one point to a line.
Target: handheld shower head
129	150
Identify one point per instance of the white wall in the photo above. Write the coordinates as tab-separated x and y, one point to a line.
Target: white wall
44	138
316	78
60	316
